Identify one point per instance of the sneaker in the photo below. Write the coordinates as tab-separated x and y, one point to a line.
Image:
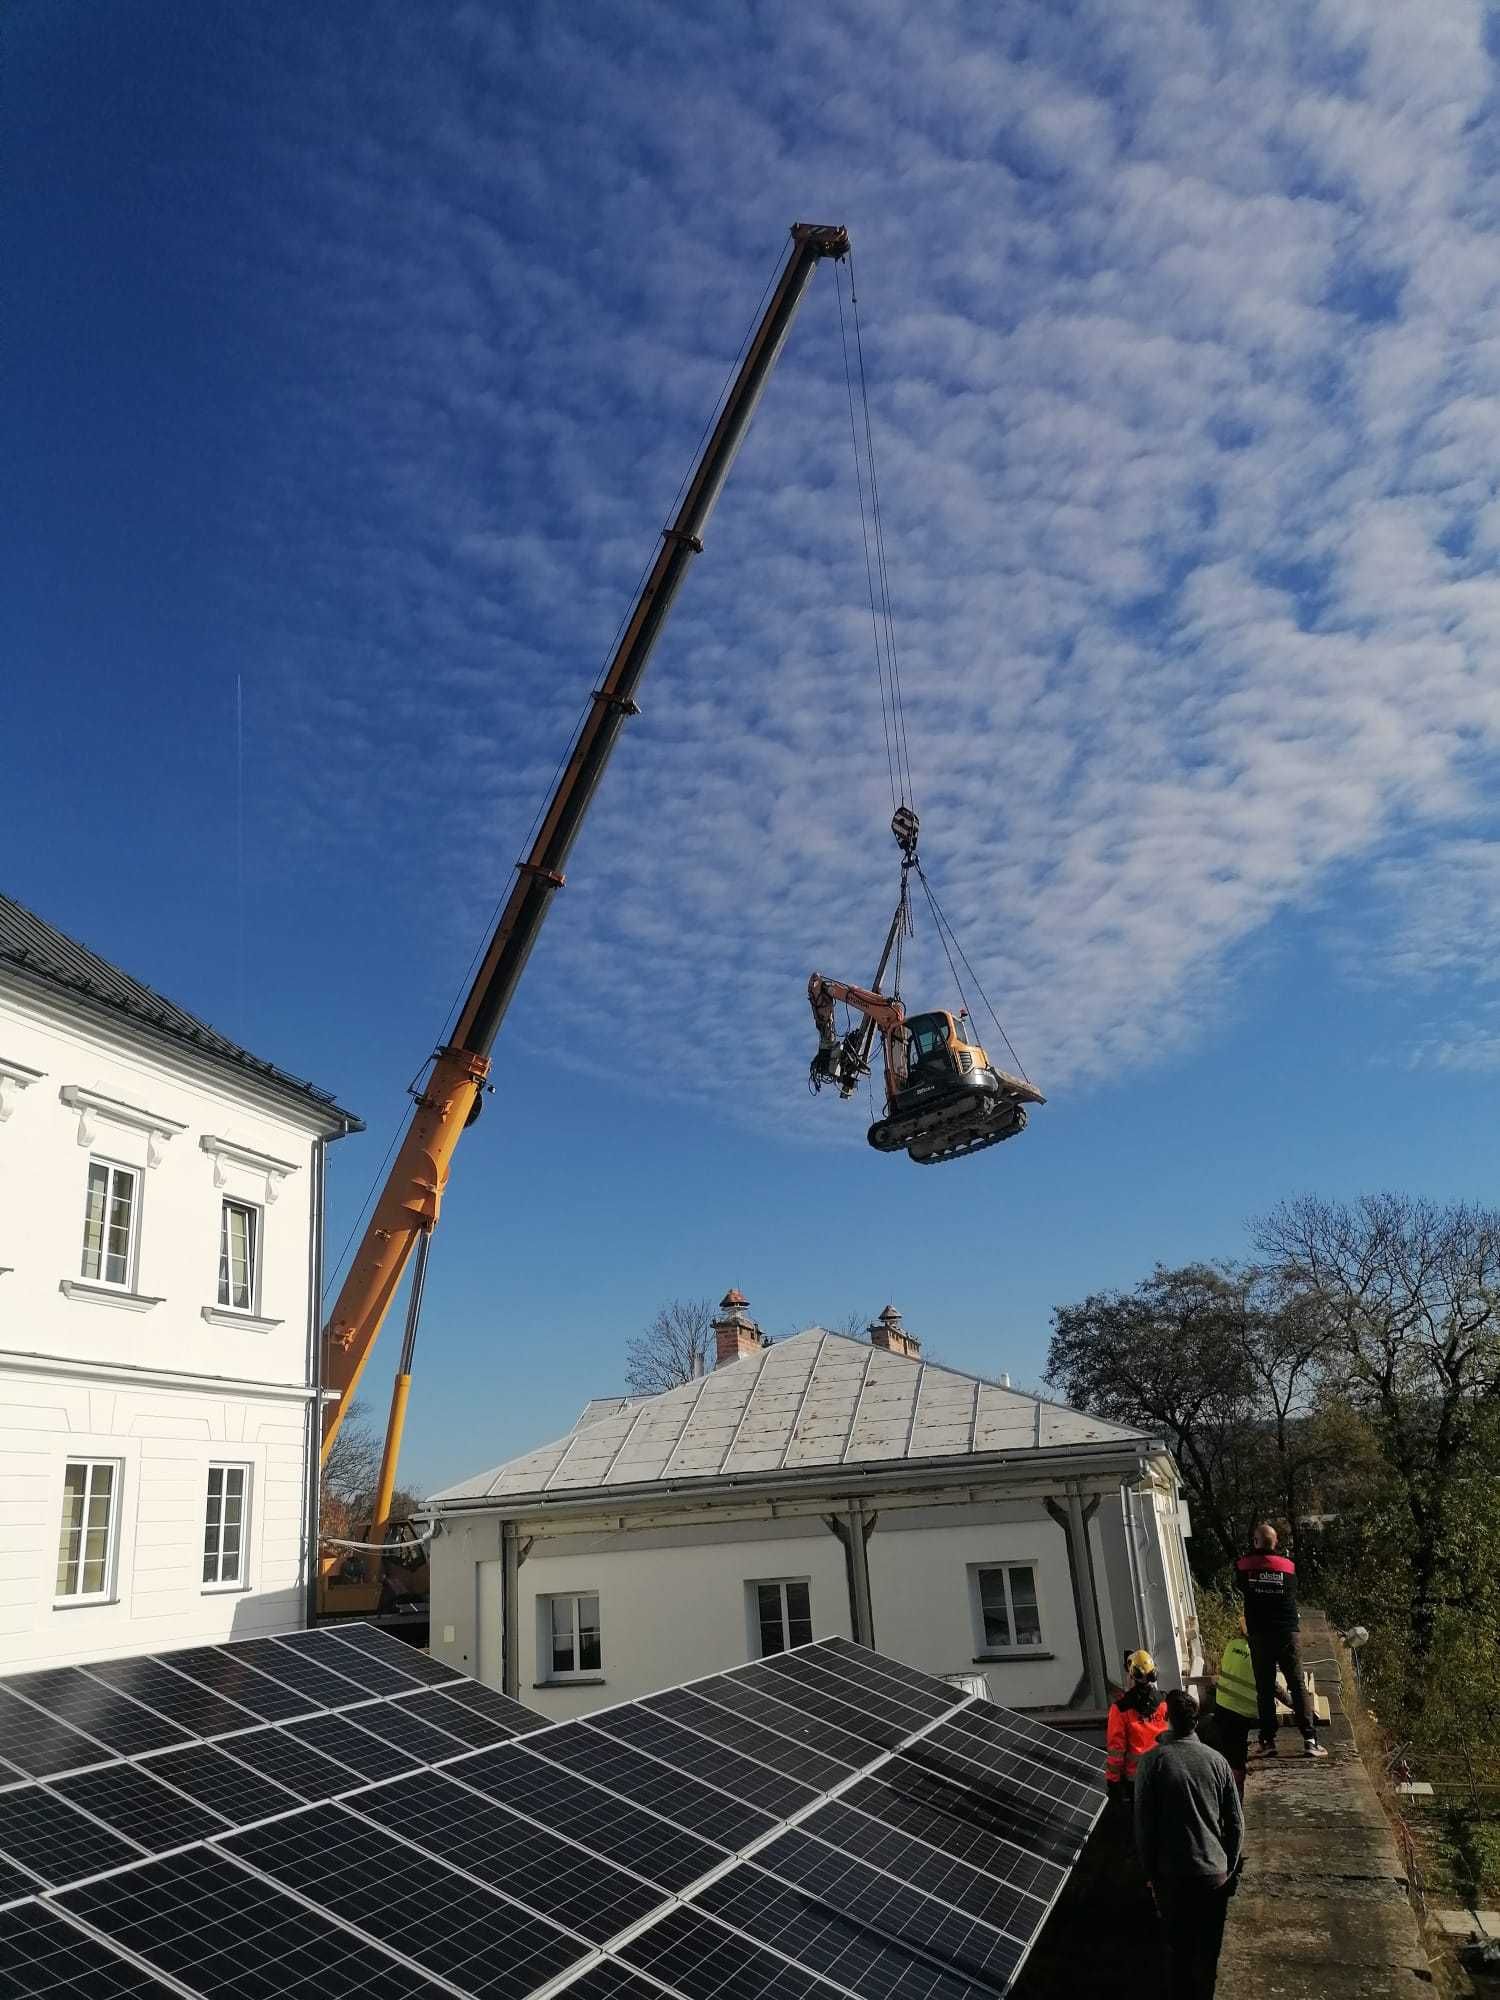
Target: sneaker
1313	1748
1263	1750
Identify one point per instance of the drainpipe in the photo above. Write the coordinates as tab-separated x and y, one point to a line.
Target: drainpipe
1138	1596
510	1608
853	1529
1073	1519
313	1490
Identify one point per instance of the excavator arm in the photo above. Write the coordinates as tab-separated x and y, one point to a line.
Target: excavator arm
407	1209
842	1061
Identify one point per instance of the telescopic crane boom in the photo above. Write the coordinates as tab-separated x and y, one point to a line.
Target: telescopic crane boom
406	1211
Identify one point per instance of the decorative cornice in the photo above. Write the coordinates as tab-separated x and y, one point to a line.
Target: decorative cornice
222	1150
105	1295
14	1361
91	1106
245	1322
14	1078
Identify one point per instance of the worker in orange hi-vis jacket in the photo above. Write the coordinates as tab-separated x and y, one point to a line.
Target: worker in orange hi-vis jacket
1136	1719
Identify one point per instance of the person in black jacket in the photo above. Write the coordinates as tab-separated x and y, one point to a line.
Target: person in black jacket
1268	1583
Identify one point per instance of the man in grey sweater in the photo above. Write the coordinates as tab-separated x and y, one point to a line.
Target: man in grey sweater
1188	1833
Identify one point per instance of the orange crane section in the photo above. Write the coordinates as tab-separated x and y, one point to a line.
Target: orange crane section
409	1204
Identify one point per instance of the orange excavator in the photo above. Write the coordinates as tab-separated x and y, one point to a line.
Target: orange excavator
944	1098
448	1099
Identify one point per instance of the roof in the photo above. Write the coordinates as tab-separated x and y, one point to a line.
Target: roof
817	1399
39	954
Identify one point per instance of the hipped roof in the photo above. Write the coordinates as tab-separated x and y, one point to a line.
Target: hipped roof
816	1399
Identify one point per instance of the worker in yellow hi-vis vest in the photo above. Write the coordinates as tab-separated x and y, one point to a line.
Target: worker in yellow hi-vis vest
1235	1706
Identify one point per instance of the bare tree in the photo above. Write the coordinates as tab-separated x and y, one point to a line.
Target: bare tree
1409	1291
677	1346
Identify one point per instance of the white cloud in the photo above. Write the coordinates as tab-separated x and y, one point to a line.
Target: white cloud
1184	347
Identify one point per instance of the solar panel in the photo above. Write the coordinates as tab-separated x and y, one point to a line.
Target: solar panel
696	1807
457	1719
614	1827
43	1833
305	1677
202	1772
446	1923
225	1673
756	1784
42	1955
229	1934
38	1744
395	1652
548	1874
823	1825
134	1803
190	1706
69	1695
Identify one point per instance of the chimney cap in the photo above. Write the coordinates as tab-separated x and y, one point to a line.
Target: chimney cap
890	1314
732	1299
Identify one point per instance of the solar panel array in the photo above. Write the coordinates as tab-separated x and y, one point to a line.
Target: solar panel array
331	1813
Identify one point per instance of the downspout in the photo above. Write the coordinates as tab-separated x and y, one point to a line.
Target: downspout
510	1605
853	1529
1073	1521
313	1496
1137	1594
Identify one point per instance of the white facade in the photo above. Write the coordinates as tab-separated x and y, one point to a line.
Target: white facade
1038	1560
158	1416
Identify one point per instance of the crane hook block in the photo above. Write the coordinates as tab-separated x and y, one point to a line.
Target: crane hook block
906	826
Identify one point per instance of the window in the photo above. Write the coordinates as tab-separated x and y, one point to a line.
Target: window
783	1614
570	1636
109	1224
86	1540
1008	1614
224	1524
239	1256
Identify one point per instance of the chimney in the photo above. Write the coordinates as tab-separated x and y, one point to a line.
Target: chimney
889	1333
735	1333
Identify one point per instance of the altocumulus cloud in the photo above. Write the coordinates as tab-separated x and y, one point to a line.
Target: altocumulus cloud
1184	353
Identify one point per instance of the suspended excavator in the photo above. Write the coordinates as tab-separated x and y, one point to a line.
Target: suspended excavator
944	1098
449	1095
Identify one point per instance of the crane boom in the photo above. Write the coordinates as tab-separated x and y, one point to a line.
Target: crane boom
408	1205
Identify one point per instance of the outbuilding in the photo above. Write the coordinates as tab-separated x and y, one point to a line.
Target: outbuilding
822	1485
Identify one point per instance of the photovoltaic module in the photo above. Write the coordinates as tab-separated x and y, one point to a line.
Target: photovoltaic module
332	1813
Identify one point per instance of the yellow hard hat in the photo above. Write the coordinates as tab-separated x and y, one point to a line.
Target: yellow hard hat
1141	1663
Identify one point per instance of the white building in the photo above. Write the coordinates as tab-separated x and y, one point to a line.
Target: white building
160	1230
819	1486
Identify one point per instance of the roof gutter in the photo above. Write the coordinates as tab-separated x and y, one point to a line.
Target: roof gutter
1108	1456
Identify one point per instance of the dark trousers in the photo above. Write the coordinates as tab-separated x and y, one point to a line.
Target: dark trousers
1268	1651
1192	1912
1229	1733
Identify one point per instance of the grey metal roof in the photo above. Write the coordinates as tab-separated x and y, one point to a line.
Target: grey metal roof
817	1399
37	953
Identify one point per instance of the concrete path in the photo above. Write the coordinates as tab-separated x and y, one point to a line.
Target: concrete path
1322	1911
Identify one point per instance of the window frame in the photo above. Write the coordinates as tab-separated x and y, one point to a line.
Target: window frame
133	1247
216	1585
256	1239
1002	1566
780	1584
106	1593
549	1673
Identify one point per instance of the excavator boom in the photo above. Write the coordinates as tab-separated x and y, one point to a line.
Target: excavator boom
410	1201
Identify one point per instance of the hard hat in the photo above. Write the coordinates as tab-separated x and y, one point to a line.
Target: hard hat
1142	1663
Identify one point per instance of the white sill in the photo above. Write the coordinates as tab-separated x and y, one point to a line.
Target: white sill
232	1316
572	1681
1014	1653
224	1589
81	1603
106	1295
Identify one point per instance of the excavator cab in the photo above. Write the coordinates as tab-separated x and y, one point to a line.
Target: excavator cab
944	1097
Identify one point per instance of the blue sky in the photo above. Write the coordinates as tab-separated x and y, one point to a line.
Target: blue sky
358	353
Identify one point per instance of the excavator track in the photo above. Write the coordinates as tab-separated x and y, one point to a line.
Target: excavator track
959	1146
952	1131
